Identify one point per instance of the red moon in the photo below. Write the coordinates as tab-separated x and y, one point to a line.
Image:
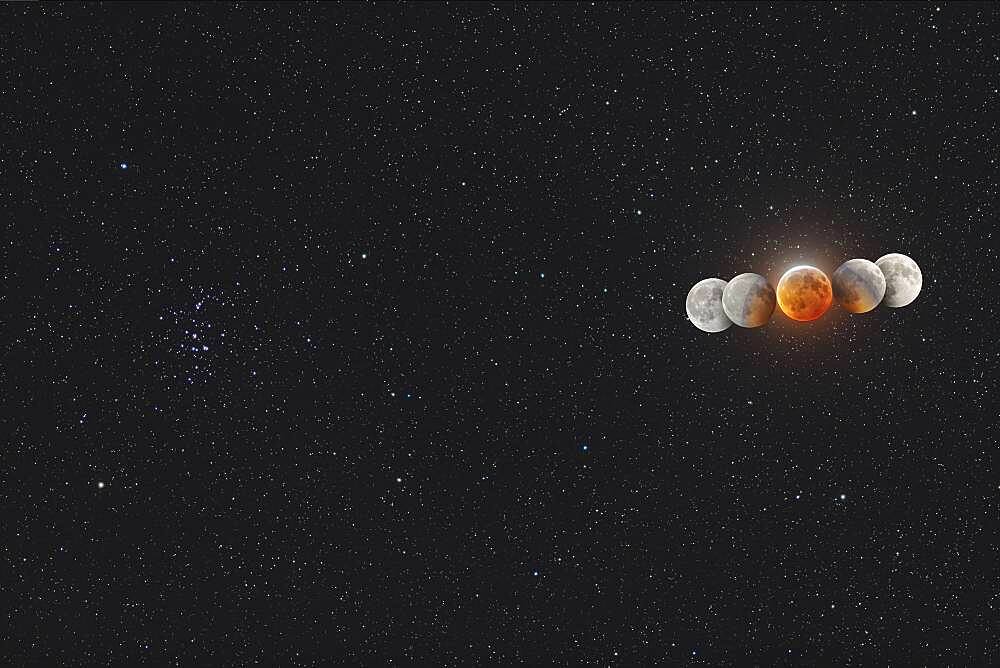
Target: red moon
804	293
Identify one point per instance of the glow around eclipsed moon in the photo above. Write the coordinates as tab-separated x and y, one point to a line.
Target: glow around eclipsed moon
804	293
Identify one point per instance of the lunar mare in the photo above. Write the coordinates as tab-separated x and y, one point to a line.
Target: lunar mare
903	279
704	306
859	285
804	293
748	300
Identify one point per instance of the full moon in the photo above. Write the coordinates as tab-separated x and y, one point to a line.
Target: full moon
748	300
858	285
804	293
704	306
903	279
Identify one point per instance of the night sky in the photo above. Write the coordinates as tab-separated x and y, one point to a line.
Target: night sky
355	335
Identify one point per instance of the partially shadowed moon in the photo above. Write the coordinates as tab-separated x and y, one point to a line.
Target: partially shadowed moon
704	306
748	300
804	293
858	285
903	279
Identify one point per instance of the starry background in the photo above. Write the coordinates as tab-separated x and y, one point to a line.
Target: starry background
355	334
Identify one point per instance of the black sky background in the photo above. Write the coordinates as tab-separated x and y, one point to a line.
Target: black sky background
355	334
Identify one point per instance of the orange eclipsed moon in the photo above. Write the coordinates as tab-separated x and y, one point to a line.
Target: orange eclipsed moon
804	293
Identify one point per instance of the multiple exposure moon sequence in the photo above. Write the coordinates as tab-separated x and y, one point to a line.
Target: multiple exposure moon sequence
804	293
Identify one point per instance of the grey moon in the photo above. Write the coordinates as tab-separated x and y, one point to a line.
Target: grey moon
704	306
748	300
903	279
858	285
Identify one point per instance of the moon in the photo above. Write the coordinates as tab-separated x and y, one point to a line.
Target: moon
903	279
858	285
748	300
704	306
804	293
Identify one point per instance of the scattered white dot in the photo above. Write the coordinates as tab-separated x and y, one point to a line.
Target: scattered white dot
399	480
913	113
123	165
100	485
843	496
